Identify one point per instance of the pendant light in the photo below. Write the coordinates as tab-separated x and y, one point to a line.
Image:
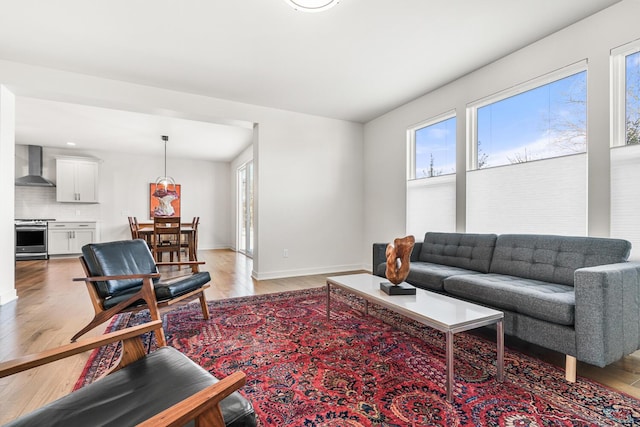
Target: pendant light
312	5
164	184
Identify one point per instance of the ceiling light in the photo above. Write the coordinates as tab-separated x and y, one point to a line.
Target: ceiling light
164	184
312	5
71	143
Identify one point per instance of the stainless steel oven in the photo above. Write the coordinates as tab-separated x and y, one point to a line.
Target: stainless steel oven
31	239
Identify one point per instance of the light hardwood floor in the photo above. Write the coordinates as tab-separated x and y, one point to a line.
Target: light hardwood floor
51	308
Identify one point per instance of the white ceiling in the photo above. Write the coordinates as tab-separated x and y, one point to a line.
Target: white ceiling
355	61
54	124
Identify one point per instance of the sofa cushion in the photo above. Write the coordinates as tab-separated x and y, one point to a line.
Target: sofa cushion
136	393
430	276
542	300
554	258
468	251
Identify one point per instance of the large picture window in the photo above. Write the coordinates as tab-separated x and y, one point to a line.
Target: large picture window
542	119
632	98
431	184
625	94
538	129
433	146
625	153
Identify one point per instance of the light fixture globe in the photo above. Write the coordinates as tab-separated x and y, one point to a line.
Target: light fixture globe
312	5
164	184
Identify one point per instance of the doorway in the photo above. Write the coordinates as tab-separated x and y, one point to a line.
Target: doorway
245	209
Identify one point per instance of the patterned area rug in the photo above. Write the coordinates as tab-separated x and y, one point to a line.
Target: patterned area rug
376	370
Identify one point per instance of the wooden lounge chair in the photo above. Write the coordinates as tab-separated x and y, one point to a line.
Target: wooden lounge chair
163	388
123	276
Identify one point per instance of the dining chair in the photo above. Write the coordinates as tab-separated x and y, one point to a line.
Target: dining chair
133	227
189	242
166	237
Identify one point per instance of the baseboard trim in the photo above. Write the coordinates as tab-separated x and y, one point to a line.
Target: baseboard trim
306	272
7	297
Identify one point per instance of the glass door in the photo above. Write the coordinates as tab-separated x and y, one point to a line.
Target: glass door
245	208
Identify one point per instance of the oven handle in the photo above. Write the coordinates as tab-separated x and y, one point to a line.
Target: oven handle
34	228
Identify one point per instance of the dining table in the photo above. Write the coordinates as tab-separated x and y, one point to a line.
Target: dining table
145	231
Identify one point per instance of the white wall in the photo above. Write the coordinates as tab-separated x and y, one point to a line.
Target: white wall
309	179
7	234
308	168
385	137
124	191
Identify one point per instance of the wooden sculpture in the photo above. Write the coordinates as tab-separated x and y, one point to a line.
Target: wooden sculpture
398	259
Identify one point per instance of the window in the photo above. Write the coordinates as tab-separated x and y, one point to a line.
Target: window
625	138
433	148
632	101
431	203
625	71
542	119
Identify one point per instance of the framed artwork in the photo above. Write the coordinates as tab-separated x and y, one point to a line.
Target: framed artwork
164	202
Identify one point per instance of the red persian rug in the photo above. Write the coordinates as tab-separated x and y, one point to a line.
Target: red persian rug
376	370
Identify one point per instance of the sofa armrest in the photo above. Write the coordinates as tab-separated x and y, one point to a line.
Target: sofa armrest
415	254
607	321
380	257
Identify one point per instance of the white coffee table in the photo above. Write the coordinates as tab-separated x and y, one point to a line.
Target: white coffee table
446	314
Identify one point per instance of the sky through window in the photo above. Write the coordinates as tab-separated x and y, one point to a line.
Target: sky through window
547	121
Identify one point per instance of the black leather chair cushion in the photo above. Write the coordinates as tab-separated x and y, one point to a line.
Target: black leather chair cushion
164	291
136	393
116	259
182	286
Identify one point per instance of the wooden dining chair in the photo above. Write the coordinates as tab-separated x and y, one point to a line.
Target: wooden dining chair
189	242
166	237
133	227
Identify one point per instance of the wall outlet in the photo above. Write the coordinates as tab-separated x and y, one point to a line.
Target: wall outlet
285	253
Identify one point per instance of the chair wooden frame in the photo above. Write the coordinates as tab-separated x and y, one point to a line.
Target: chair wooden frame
134	227
163	227
203	407
190	243
146	293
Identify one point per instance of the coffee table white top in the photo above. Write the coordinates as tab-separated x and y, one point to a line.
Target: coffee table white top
438	311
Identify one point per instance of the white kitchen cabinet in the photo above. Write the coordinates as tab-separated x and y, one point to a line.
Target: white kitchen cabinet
69	237
77	180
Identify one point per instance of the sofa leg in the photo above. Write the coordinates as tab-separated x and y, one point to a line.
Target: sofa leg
570	368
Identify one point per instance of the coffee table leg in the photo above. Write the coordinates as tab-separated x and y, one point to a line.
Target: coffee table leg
328	300
500	361
449	366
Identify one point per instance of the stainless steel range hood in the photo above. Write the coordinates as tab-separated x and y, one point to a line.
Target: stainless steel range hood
35	178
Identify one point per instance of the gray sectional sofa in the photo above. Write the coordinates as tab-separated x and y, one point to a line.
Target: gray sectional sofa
575	295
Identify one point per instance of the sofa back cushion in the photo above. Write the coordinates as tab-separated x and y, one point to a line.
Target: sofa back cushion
464	250
554	258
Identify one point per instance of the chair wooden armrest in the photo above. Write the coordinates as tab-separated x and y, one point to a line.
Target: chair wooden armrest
145	293
202	406
38	359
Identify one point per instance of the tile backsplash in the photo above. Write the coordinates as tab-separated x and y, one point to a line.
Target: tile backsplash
40	202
